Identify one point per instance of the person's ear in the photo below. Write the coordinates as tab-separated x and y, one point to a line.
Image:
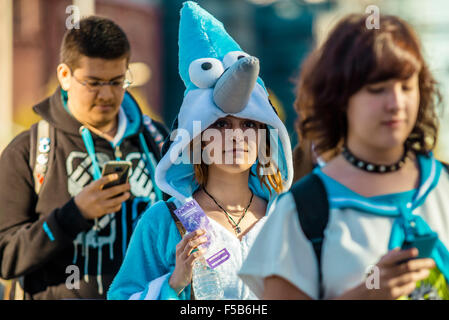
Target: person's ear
64	75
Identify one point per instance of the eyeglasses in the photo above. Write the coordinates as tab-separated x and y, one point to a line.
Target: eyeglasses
95	85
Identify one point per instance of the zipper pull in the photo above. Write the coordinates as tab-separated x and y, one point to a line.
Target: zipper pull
117	152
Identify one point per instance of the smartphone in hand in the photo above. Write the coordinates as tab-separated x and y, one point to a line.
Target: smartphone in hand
424	244
121	168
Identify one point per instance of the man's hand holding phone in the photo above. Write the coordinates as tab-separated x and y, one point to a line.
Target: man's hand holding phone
95	201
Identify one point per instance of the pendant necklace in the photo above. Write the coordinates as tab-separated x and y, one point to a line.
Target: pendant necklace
235	225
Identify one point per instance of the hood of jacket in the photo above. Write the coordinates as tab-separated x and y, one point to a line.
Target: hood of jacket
201	36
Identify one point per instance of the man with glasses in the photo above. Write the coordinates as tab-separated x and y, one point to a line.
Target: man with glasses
62	235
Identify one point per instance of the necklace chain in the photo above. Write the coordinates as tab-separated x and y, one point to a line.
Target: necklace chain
235	225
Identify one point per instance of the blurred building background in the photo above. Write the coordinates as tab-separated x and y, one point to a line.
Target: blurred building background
279	32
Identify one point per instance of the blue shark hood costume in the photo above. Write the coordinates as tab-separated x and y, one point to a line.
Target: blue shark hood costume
220	80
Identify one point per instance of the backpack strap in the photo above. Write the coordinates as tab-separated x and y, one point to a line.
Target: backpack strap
313	212
446	166
42	145
155	132
172	207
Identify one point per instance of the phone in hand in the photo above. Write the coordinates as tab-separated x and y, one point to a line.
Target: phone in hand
121	168
424	244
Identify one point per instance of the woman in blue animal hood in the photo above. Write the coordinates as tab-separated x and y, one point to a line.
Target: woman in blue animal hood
228	151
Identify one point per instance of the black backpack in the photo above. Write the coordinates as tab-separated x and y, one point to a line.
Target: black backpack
312	207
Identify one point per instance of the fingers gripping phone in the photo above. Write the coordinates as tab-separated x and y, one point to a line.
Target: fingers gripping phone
121	168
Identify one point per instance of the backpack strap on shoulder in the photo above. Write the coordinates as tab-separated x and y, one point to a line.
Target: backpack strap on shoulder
154	131
312	206
42	142
446	166
42	145
172	207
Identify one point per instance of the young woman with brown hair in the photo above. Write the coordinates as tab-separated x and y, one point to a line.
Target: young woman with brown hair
369	95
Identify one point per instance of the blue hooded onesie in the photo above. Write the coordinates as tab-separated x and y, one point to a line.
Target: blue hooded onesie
220	80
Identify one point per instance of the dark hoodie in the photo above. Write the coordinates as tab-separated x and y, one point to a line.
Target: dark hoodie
44	239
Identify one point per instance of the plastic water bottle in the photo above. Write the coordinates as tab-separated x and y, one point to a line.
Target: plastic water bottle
205	281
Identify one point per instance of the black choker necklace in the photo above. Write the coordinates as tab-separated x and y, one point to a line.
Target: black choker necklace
371	167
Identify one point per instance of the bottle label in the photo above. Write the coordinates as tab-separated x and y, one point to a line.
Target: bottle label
218	258
192	218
